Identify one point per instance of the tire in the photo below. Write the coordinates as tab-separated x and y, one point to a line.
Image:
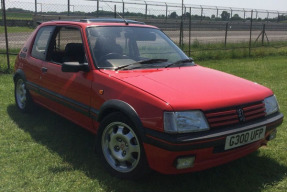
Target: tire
120	147
22	96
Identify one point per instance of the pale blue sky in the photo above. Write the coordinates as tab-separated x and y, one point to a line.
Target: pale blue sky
280	5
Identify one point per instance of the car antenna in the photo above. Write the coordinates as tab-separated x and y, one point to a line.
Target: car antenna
117	13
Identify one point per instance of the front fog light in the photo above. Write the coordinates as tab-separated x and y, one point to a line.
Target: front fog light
272	135
184	162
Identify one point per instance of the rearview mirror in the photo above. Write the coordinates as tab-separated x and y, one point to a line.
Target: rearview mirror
145	37
75	67
141	36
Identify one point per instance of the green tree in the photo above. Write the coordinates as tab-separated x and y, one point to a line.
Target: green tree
173	15
225	16
186	15
236	17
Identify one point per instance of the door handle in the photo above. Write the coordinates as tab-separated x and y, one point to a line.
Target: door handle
44	69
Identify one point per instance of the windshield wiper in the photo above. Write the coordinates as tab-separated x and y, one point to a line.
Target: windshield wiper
180	62
147	61
150	61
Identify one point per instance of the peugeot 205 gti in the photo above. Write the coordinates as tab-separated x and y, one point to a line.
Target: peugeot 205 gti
149	105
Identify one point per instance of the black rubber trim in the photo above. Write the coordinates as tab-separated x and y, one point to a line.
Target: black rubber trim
123	107
76	106
206	139
19	73
94	113
98	115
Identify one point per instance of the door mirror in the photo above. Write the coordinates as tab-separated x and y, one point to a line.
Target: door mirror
75	67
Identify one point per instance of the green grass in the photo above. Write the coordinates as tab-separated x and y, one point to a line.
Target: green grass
16	29
18	16
3	61
44	152
201	52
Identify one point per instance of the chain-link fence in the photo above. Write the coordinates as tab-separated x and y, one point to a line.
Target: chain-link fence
190	26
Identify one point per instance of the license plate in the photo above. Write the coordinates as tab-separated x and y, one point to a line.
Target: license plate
244	138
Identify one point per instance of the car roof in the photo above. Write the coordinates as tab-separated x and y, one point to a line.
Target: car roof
99	22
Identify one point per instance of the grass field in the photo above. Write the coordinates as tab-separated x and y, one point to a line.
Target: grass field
19	16
16	29
201	51
44	152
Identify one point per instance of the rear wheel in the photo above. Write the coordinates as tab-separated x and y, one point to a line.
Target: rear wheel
22	96
120	147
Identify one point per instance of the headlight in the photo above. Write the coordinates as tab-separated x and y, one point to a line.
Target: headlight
183	122
271	105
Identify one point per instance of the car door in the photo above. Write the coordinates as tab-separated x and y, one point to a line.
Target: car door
70	92
34	60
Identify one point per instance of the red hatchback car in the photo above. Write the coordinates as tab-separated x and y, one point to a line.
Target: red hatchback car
149	105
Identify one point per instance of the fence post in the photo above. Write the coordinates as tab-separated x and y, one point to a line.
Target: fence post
145	9
6	34
181	27
226	30
189	35
123	9
263	34
115	11
250	39
98	4
166	8
68	7
36	7
216	12
201	12
244	14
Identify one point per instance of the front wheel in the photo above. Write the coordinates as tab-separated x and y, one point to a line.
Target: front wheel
120	147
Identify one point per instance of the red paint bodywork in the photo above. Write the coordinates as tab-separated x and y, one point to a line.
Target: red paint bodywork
149	92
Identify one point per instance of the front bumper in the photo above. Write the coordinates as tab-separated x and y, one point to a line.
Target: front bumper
163	149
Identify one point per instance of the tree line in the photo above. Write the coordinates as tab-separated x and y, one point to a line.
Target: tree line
224	16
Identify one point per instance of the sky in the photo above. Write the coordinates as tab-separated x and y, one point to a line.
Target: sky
279	5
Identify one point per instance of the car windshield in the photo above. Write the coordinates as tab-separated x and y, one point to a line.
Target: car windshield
122	48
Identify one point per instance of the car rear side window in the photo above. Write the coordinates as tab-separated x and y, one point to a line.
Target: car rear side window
40	48
66	45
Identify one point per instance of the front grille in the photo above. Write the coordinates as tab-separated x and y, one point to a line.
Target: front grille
235	115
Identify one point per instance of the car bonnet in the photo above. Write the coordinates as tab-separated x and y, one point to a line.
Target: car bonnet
195	87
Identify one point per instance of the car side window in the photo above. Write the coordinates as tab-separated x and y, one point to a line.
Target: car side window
40	48
67	46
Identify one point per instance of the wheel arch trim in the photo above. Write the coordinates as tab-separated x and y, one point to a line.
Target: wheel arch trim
116	105
19	73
